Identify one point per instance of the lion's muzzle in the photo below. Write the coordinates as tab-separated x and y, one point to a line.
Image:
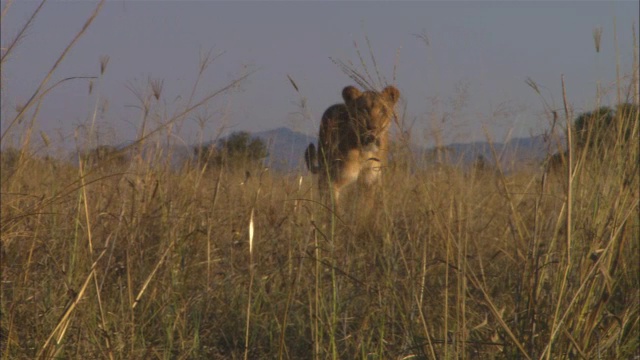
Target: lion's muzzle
371	143
370	139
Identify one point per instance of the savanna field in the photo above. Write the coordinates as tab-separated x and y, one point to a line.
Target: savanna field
122	254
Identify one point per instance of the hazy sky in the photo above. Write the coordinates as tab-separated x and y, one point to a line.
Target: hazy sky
470	75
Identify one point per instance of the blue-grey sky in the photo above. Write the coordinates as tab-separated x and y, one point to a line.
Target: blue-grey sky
479	52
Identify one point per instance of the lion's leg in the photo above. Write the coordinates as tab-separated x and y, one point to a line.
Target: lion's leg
347	173
370	176
329	191
323	186
369	181
335	192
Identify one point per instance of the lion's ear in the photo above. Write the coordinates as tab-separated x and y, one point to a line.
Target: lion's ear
350	93
391	94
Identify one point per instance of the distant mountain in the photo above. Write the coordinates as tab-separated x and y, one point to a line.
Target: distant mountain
286	151
515	153
286	148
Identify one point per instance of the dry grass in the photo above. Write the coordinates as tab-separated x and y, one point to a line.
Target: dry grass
138	260
473	261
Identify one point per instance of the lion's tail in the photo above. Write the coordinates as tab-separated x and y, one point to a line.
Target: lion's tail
311	158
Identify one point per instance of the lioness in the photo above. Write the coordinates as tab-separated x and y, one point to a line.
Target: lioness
353	140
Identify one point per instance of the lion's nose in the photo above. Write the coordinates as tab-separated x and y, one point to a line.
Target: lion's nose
368	139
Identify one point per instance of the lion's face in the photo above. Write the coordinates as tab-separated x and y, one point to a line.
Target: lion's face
371	113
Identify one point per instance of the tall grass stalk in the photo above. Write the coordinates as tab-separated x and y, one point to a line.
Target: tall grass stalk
251	276
568	221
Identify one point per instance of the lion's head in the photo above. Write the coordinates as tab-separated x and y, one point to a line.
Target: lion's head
370	113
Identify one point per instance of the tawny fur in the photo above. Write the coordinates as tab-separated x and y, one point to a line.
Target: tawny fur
353	140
